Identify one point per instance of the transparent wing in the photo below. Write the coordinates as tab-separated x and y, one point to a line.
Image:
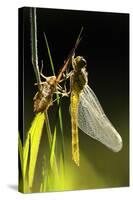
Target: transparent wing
93	121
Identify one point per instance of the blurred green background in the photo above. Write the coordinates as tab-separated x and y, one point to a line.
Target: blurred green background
105	46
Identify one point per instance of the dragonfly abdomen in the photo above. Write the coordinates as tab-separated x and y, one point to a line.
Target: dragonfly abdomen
74	123
78	80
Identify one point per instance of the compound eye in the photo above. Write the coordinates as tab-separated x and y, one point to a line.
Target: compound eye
81	62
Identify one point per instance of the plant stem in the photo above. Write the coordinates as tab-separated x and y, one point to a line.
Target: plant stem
34	54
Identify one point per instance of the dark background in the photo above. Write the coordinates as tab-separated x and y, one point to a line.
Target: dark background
105	46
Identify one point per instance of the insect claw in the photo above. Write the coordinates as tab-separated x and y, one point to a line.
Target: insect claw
65	94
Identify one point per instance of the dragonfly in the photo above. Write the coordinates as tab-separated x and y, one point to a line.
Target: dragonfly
87	113
43	99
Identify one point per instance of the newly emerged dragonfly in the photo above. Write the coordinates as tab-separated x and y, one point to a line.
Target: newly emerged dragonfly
87	113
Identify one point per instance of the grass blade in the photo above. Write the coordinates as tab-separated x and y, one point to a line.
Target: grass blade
50	139
30	150
49	54
52	157
27	146
57	96
34	54
25	156
35	136
60	123
20	151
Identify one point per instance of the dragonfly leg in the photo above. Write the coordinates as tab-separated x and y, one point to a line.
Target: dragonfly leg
62	92
65	76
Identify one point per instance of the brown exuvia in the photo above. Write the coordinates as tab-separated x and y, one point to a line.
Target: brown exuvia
44	97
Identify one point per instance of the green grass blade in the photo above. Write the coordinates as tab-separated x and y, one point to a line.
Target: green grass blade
32	146
50	139
52	151
35	136
20	151
44	175
49	181
52	163
60	114
49	53
25	155
48	130
52	158
27	145
62	133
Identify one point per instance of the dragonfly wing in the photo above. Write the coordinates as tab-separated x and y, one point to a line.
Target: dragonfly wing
93	121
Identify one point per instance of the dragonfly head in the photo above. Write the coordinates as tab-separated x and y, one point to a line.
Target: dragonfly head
80	62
